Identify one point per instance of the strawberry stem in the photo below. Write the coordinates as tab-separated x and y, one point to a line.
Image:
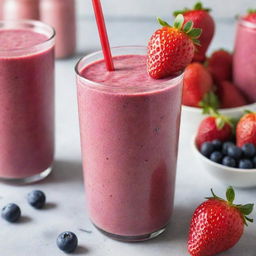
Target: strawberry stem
251	11
197	7
187	28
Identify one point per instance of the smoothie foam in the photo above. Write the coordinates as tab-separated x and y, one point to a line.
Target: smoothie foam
27	104
129	145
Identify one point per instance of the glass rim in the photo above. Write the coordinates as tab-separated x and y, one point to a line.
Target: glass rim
34	23
99	85
246	23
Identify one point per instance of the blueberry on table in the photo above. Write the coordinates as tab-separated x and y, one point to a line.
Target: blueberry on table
249	150
234	152
217	144
229	161
225	147
11	212
36	199
67	241
207	148
245	164
216	156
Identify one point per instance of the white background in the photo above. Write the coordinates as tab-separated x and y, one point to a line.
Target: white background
148	8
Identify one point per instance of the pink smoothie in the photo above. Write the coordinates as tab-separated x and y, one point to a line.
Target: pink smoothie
245	59
129	132
21	9
27	103
61	15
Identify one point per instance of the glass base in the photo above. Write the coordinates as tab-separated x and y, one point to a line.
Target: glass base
27	180
132	238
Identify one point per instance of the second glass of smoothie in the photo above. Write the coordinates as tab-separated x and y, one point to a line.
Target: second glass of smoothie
129	125
27	100
245	58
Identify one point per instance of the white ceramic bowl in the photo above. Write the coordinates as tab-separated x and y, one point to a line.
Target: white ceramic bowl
191	117
242	178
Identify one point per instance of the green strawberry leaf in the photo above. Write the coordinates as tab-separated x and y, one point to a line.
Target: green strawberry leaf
199	6
246	209
249	219
179	21
188	26
251	11
162	22
195	33
230	195
209	103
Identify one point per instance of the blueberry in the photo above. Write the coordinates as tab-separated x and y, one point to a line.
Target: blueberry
234	152
67	241
216	156
36	198
217	145
207	148
245	164
249	150
229	161
225	147
11	212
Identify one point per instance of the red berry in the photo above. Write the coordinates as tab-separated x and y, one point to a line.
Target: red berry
217	225
230	96
171	49
214	128
197	83
220	66
201	19
246	130
251	16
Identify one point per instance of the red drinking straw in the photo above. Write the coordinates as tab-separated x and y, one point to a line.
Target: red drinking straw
103	34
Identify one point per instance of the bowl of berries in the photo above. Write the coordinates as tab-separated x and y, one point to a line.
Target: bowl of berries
227	149
210	84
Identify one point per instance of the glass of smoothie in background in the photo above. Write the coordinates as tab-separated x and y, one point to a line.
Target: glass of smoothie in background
245	58
27	100
61	15
129	125
21	9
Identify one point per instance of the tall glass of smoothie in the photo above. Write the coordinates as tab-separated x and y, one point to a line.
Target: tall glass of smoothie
129	125
27	100
245	58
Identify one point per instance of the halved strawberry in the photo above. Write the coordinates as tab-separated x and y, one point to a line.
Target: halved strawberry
171	48
201	19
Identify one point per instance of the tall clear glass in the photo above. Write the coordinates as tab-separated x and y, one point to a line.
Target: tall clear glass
27	101
245	58
129	140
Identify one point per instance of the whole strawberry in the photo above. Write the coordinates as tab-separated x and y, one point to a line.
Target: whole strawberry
251	16
230	96
201	19
197	83
217	225
171	49
246	130
220	66
214	127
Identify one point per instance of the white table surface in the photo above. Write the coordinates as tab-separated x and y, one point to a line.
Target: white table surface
36	234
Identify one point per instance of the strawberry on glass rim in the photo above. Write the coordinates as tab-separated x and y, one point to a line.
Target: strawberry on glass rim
251	16
202	19
217	225
172	48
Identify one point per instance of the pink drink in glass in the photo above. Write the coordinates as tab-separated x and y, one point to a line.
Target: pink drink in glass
27	100
129	125
245	58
